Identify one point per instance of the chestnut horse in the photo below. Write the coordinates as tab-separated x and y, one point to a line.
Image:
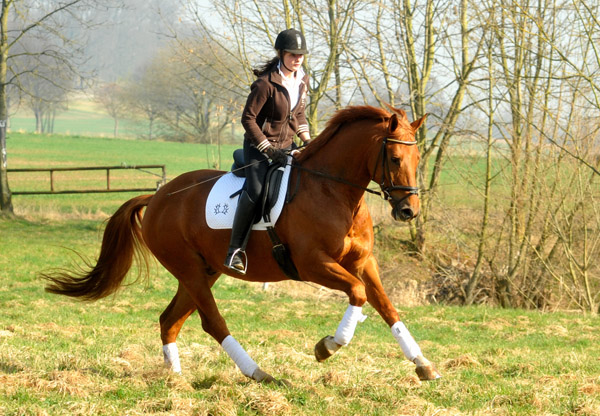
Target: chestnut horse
326	227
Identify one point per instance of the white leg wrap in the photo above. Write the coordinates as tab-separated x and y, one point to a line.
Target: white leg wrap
171	355
239	356
346	329
408	344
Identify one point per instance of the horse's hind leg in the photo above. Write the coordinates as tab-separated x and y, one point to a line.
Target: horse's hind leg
171	321
195	293
214	324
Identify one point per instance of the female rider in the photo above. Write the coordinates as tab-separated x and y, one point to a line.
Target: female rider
273	114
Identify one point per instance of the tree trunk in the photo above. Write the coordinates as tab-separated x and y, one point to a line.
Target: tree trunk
470	287
6	207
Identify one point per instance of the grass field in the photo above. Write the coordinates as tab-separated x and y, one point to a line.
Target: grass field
83	117
60	356
27	150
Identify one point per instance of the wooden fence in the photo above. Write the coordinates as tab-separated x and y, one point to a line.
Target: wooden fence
107	169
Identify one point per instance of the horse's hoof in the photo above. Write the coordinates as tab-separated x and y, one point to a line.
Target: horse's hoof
426	370
428	373
262	377
326	348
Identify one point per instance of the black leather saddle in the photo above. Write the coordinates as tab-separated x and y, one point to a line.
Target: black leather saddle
271	186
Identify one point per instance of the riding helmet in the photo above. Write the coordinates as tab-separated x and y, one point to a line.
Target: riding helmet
292	41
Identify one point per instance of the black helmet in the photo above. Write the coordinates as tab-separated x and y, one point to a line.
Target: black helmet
291	40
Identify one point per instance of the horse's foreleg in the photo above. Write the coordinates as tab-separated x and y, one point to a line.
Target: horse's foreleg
343	335
334	276
379	300
171	321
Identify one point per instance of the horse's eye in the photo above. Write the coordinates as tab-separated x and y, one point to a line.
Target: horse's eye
396	161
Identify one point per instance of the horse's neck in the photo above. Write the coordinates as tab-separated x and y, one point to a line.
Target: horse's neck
346	159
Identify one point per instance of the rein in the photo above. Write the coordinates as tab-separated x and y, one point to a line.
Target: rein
385	191
337	179
213	178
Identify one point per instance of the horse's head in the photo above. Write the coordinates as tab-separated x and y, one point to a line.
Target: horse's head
396	170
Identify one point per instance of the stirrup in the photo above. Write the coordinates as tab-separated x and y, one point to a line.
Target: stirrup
230	257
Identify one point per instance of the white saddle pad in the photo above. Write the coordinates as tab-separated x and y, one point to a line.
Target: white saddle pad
220	208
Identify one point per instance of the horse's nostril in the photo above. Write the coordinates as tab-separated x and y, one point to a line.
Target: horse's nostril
407	213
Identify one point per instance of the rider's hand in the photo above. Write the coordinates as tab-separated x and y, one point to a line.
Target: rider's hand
276	155
295	152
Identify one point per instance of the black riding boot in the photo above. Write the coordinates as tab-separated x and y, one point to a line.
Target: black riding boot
240	232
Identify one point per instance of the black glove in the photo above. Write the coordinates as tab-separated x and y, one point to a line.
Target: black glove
276	155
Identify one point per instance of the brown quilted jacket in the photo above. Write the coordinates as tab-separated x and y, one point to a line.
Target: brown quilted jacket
267	114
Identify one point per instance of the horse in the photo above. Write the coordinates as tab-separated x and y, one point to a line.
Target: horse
326	227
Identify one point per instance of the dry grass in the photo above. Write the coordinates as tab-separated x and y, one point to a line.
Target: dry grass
64	357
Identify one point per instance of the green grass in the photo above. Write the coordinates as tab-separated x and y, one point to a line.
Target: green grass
82	118
27	150
60	355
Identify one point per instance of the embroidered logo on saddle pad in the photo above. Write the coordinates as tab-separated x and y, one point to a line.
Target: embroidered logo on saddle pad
220	207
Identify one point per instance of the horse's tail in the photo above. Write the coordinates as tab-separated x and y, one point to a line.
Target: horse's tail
122	242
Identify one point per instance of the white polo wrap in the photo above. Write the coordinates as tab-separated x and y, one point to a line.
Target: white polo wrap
239	356
408	344
171	356
346	329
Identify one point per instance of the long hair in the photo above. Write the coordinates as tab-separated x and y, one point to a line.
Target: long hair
267	66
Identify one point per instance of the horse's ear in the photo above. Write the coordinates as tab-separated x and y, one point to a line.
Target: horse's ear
394	123
418	123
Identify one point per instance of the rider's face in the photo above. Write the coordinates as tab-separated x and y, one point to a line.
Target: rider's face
293	61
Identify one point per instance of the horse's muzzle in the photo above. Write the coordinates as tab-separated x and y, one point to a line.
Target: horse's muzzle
403	211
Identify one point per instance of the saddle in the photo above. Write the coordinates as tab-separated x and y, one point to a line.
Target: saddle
270	196
271	187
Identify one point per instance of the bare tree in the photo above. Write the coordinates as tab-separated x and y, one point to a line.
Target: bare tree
198	107
44	88
247	34
22	20
535	242
471	286
146	93
111	97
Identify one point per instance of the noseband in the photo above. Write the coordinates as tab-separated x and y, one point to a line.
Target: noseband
386	190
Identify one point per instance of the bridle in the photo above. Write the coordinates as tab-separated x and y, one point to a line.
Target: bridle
386	190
